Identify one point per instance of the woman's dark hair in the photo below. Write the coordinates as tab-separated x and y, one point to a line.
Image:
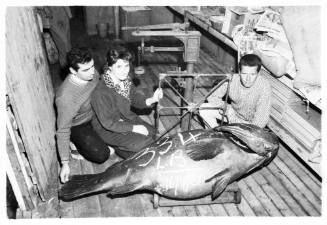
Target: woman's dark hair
250	60
118	52
78	55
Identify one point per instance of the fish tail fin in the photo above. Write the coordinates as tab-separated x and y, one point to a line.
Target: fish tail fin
80	185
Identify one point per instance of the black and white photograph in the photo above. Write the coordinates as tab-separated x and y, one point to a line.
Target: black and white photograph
135	110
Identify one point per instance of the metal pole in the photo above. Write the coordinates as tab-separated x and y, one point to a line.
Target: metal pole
188	95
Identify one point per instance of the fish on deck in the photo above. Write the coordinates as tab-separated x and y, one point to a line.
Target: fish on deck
186	165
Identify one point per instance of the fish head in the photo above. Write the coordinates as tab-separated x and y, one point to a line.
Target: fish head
259	140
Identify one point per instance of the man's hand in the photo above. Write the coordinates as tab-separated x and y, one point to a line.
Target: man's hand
140	129
64	172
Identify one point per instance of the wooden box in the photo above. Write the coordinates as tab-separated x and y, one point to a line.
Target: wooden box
232	194
132	17
231	20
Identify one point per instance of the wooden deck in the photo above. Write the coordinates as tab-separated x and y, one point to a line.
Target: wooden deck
283	188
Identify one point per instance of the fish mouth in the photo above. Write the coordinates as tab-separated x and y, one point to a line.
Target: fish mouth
258	140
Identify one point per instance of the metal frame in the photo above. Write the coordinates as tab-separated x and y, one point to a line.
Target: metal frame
191	106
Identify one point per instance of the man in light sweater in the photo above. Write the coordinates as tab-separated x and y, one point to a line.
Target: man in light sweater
75	112
250	95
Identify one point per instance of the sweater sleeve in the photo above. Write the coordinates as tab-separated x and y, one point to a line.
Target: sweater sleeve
105	111
216	97
262	114
66	113
137	99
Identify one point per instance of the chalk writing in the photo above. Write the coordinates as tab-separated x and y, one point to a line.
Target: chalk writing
159	166
147	151
191	137
170	143
177	156
163	146
180	185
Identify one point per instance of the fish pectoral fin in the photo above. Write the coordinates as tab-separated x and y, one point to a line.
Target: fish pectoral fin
124	189
204	149
219	187
220	184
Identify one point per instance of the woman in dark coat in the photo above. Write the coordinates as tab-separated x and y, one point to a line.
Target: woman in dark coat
111	101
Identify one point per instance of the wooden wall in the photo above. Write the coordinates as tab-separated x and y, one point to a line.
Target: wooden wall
161	15
96	14
30	92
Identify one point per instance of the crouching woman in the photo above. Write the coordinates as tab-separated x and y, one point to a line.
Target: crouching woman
112	99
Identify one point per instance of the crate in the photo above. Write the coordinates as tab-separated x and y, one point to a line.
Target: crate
132	17
231	20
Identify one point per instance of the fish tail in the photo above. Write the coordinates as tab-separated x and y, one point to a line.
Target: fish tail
80	185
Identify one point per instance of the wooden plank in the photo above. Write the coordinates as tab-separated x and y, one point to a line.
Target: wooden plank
80	209
110	207
232	209
218	210
32	102
245	208
191	210
206	61
297	166
272	194
16	179
230	195
301	172
298	183
299	197
146	204
21	183
251	198
204	210
283	192
129	205
66	209
93	202
297	147
262	196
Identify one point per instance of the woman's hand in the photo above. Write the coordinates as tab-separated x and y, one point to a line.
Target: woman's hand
157	95
64	172
140	129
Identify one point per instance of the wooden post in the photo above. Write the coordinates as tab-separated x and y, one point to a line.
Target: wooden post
117	22
31	95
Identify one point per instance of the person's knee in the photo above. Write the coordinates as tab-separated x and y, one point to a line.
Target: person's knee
100	158
97	155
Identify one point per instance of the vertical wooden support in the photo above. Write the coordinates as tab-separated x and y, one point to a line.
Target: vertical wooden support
31	96
117	22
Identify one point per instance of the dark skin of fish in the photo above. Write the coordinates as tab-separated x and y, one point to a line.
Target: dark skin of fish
187	165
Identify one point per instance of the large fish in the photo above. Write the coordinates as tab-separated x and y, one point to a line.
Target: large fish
187	165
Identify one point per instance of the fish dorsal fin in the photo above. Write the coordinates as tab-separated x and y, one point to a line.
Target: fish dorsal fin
220	184
204	149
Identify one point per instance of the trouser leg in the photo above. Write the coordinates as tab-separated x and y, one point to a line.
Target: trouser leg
89	144
125	144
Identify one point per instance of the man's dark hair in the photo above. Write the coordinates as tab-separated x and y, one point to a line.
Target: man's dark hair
78	55
250	60
118	52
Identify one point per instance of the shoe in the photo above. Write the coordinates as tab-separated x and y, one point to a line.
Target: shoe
74	153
